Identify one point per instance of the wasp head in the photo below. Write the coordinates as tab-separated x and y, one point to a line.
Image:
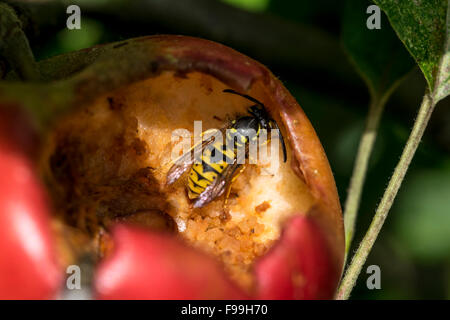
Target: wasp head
260	113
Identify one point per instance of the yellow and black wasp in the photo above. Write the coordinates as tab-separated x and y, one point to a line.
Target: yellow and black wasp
208	178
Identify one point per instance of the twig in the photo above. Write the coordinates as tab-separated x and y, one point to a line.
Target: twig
366	144
363	251
360	169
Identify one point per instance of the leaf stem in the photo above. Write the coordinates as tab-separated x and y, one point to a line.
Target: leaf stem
360	169
390	193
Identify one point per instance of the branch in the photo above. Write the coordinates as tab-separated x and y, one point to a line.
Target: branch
360	169
365	148
382	211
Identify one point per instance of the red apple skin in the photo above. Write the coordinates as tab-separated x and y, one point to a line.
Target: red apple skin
298	266
28	269
151	265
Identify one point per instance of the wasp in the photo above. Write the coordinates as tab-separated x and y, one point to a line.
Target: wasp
208	178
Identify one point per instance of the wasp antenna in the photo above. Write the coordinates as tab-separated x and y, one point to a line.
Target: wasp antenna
244	96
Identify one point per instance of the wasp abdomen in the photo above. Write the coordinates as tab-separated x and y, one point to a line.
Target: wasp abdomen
213	162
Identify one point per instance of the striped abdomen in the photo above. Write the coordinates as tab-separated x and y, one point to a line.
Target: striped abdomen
202	174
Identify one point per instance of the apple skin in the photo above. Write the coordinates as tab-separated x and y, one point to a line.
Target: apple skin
151	265
28	267
298	266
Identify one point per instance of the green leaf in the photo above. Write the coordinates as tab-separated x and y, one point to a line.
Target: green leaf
423	27
378	54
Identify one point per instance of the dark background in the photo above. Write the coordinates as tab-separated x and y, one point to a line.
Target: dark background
300	42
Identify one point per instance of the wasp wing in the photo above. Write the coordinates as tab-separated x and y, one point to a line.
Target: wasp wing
184	162
218	186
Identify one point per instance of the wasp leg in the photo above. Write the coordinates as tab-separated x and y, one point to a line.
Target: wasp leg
208	132
227	194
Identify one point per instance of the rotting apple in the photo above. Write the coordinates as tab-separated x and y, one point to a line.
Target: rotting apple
108	122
